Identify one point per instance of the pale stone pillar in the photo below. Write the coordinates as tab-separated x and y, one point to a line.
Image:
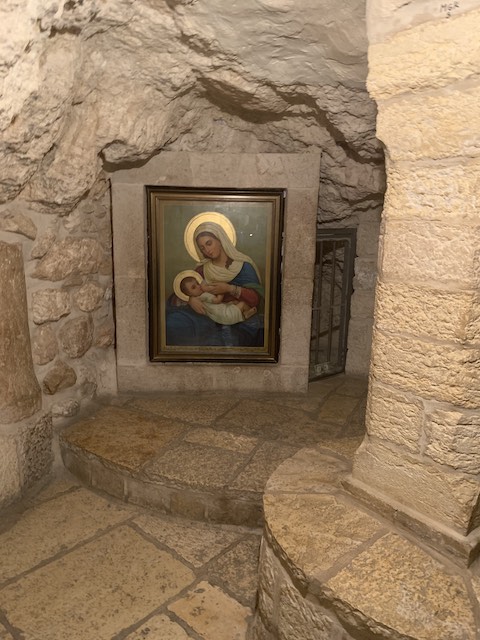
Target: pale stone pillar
25	433
421	455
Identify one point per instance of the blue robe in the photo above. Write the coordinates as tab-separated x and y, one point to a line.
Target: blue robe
186	328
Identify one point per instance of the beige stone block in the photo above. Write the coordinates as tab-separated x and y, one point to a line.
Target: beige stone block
197	543
197	411
315	531
131	320
44	345
146	378
54	526
365	275
237	570
76	336
299	618
308	471
268	170
452	439
206	608
159	628
123	438
409	61
425	252
15	222
222	440
427	312
129	249
89	297
394	416
72	256
49	305
260	467
59	376
10	484
362	304
97	590
300	232
367	239
397	585
296	320
20	395
445	496
441	372
431	125
208	467
433	192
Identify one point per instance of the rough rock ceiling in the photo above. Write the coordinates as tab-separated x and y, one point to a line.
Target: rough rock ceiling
88	82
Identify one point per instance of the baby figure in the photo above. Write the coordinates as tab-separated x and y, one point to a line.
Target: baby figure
215	308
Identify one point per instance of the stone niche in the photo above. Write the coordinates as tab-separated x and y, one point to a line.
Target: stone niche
299	174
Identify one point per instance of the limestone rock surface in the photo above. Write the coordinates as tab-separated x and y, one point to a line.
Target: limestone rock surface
75	256
44	345
118	81
76	336
59	377
49	305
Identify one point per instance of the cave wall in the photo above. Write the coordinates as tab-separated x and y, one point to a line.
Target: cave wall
90	86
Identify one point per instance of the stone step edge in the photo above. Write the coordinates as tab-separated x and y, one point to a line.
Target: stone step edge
217	506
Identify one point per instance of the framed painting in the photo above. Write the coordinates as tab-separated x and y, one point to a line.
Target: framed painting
214	268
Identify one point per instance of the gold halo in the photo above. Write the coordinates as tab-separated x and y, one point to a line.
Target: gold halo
179	277
207	216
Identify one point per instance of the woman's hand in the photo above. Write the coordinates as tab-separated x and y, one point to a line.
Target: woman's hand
197	305
218	287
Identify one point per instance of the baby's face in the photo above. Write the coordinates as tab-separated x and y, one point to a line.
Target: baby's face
193	289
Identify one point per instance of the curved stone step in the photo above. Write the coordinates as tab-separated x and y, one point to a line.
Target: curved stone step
205	458
331	569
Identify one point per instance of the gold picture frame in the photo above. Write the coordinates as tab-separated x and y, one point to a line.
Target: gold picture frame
214	274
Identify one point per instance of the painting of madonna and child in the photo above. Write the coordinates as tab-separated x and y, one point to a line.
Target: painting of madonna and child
214	274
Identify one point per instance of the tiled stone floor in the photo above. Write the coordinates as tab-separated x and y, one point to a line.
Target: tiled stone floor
79	565
76	565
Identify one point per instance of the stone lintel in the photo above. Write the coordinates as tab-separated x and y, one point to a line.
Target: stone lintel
461	549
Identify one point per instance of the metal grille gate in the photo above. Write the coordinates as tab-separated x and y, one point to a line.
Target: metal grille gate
334	264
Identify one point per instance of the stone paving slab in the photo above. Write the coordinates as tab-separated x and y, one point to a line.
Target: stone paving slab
198	411
254	476
237	570
159	628
99	589
209	457
125	438
418	597
118	583
207	466
80	515
195	542
212	613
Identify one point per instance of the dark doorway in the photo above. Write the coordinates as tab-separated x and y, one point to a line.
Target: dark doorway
332	291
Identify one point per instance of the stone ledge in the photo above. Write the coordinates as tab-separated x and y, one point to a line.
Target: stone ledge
331	570
462	549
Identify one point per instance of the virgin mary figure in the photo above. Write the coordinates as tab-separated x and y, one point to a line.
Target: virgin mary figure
225	270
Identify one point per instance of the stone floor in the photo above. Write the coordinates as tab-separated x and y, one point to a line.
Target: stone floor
78	564
208	457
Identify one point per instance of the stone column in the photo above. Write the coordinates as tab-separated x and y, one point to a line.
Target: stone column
420	460
25	433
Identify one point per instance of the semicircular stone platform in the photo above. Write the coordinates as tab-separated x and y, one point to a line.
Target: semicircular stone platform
209	456
332	570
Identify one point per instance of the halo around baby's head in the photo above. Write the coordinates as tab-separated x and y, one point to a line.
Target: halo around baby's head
188	273
201	218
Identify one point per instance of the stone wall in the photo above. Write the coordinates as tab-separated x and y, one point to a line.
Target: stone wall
88	86
423	413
